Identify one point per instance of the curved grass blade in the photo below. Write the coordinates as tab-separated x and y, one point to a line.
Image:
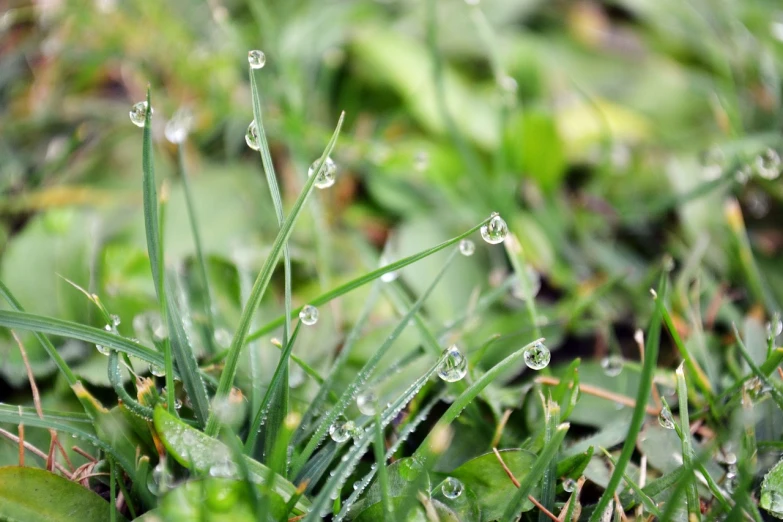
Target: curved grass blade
645	386
276	415
259	287
71	330
548	453
150	197
273	391
166	316
366	278
774	390
364	374
115	378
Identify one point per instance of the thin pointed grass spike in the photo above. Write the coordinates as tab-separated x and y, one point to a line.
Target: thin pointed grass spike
150	197
261	283
691	494
364	374
166	315
540	465
637	419
549	480
383	474
366	278
115	378
276	415
774	390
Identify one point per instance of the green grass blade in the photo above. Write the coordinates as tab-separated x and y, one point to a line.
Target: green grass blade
259	287
540	465
366	278
71	330
643	393
150	197
277	415
165	311
269	410
692	494
774	390
187	365
549	480
383	474
364	374
200	259
645	499
115	378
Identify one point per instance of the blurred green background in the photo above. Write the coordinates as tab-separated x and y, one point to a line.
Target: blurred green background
607	133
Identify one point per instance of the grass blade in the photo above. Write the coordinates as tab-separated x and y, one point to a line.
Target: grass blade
645	386
775	392
692	495
548	453
150	197
366	278
549	481
71	330
276	415
354	387
259	287
383	474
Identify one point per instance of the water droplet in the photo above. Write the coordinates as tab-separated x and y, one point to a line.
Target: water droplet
341	430
453	365
224	467
467	247
309	315
421	161
327	176
222	337
177	404
452	488
612	365
388	277
531	286
712	163
742	175
774	326
569	485
537	356
159	479
251	136
367	402
138	113
256	59
178	127
157	371
768	164
665	419
115	320
103	350
495	231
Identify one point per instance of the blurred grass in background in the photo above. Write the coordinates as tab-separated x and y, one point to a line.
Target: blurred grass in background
608	134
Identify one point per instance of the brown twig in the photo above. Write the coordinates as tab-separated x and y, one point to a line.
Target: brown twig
514	481
600	392
22	444
780	372
501	426
544	510
32	449
83	453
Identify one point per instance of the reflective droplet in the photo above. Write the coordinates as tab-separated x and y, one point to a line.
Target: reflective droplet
421	161
453	365
388	277
569	485
774	326
138	113
742	175
452	488
467	247
157	371
159	480
327	177
222	337
531	286
341	430
251	136
367	402
256	59
225	467
309	315
495	231
768	164
178	127
115	320
612	365
712	163
665	419
537	356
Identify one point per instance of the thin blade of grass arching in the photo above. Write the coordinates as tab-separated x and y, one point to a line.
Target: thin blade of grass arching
71	330
637	419
366	278
774	390
349	461
548	452
276	415
691	493
165	316
200	259
337	365
260	286
361	378
266	410
186	360
150	198
47	345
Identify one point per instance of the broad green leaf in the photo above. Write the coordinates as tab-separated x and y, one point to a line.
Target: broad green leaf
417	514
402	484
36	495
772	491
195	450
485	477
214	499
465	506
